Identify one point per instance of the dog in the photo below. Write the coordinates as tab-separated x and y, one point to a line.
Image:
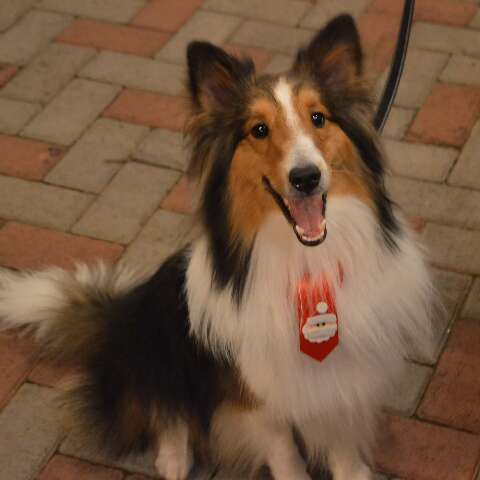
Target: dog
274	336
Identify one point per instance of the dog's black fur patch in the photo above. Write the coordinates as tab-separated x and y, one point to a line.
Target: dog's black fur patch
230	261
146	358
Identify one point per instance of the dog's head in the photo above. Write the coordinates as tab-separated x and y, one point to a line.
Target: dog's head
283	144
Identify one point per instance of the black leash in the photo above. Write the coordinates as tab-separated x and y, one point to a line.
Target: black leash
396	70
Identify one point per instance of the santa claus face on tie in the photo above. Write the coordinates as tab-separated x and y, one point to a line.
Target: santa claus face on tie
319	328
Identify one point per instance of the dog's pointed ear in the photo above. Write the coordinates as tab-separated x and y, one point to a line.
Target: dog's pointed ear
334	56
214	76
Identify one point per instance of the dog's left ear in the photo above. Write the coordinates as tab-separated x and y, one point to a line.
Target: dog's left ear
215	78
334	56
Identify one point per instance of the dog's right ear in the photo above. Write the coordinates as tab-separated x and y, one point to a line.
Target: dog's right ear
215	78
334	56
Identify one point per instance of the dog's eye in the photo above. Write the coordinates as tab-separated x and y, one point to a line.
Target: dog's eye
260	130
318	119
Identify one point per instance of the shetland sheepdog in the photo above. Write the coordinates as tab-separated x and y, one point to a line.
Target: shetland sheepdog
212	355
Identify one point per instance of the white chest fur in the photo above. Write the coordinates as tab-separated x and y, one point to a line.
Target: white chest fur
383	300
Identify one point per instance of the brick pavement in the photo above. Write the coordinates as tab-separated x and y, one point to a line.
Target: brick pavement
92	162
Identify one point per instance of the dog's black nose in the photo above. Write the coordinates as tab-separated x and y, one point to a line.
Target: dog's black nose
305	179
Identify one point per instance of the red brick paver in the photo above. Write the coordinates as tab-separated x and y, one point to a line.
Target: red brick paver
448	115
25	246
421	451
117	38
437	11
6	74
27	159
151	109
179	199
454	393
16	360
166	15
378	32
66	468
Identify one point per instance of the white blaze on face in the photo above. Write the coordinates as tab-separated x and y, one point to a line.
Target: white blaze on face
302	149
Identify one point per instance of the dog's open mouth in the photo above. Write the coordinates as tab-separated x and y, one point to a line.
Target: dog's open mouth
306	214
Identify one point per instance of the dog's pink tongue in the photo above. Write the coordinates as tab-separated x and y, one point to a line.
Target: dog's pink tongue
308	215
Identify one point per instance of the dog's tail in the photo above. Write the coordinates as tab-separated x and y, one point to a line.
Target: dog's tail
76	319
66	311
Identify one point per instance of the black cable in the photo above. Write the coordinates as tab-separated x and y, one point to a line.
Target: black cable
396	70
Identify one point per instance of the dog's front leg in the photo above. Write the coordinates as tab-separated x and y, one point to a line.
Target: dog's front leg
347	465
175	458
281	452
284	460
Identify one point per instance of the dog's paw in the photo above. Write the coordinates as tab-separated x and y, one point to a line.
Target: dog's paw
363	474
174	465
360	473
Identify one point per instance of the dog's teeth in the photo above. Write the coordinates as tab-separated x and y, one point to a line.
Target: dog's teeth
322	224
312	239
299	230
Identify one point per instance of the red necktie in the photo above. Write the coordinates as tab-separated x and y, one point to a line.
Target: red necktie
317	316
